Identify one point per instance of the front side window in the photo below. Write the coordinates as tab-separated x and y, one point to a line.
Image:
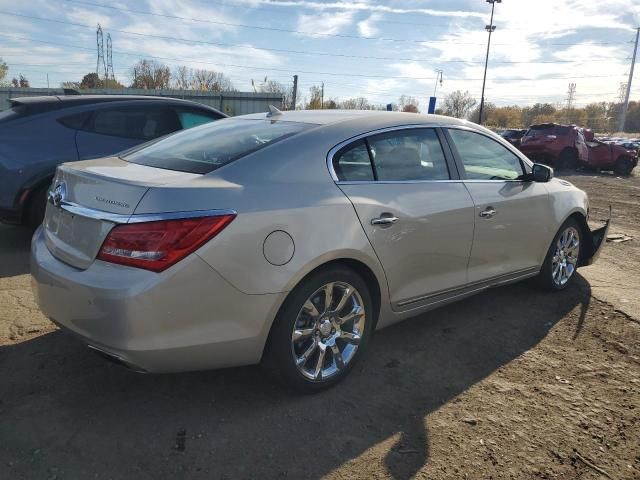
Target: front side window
408	155
484	158
208	147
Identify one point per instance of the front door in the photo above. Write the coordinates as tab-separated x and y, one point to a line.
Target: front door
417	216
512	216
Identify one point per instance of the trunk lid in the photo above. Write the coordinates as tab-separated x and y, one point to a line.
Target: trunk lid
89	197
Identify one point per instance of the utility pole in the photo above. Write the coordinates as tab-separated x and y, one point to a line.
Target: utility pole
295	91
571	93
489	28
322	97
625	105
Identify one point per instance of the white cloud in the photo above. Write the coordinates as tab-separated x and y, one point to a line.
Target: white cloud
367	27
325	23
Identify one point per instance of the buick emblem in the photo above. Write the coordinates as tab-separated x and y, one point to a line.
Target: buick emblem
57	195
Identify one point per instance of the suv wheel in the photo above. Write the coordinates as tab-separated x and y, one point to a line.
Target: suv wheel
36	207
624	166
568	160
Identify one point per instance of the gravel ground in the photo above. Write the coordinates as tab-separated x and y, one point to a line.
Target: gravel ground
512	383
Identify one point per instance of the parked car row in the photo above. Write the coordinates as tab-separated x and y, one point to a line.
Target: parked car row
288	238
571	147
38	133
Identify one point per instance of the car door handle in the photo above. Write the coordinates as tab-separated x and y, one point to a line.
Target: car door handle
488	212
384	220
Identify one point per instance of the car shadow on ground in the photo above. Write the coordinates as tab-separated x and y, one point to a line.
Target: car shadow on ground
14	250
63	407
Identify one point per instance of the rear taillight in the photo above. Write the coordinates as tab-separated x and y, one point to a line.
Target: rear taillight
157	245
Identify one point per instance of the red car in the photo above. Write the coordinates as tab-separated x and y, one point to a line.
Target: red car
562	146
609	156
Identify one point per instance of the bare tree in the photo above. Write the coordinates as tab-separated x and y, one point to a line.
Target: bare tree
149	74
458	104
408	104
272	86
206	80
182	78
21	82
315	98
359	103
211	81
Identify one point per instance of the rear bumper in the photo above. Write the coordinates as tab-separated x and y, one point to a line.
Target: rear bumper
185	318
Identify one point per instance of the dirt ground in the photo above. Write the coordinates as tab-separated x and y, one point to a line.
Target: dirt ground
514	383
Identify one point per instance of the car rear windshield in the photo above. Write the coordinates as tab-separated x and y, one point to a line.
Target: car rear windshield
540	131
208	147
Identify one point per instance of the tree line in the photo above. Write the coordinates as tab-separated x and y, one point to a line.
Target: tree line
598	116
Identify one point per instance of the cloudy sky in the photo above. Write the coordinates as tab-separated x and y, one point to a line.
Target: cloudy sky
376	49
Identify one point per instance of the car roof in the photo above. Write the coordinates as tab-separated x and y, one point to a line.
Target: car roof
330	117
87	99
43	104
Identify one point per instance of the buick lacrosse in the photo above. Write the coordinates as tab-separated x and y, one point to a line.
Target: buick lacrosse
288	238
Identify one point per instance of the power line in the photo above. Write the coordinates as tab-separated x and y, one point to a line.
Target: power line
305	52
284	30
275	69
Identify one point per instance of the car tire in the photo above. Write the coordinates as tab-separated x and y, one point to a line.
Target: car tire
563	257
568	160
624	166
308	349
36	207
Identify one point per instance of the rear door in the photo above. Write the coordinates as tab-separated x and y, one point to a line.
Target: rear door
415	211
112	129
513	217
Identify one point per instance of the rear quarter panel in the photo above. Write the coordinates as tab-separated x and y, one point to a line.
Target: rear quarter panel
284	187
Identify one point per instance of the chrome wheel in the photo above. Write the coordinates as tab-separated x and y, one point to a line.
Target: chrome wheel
328	330
565	257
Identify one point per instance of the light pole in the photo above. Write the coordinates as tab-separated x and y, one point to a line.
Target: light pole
489	28
438	79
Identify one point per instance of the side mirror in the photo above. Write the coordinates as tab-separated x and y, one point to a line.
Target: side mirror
541	173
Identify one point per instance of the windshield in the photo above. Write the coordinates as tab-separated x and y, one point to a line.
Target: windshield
208	147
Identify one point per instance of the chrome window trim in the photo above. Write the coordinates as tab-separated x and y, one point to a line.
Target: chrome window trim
434	126
120	218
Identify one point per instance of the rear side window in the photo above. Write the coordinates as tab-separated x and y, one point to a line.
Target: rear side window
352	163
409	155
138	123
77	121
192	118
208	147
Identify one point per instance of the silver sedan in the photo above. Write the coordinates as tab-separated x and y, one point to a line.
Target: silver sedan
288	238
